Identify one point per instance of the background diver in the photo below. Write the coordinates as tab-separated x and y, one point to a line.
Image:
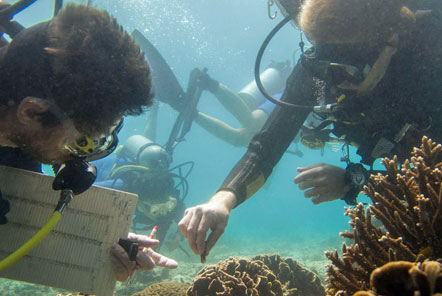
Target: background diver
251	109
142	166
375	70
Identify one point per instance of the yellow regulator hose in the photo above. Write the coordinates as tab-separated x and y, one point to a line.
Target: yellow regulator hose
30	244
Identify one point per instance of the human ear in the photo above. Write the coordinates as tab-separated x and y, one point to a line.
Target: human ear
30	109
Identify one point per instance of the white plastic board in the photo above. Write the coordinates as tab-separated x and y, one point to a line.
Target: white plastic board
75	255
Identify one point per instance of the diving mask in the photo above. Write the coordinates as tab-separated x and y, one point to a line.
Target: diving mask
93	148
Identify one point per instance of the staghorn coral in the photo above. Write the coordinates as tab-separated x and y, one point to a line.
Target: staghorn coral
236	277
164	289
408	202
295	279
402	278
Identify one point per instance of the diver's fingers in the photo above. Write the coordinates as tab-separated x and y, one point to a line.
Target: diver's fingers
306	168
184	222
143	240
316	199
192	229
312	193
318	195
144	261
213	238
308	184
202	234
123	267
311	173
161	260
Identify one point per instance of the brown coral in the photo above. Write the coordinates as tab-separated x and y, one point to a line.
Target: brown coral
295	279
236	277
164	289
402	278
408	202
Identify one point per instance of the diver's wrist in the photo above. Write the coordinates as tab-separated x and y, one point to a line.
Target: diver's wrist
226	198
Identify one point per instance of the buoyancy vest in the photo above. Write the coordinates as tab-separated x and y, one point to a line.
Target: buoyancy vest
403	106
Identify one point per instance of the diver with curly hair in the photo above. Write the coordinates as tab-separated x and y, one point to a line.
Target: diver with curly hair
378	66
66	85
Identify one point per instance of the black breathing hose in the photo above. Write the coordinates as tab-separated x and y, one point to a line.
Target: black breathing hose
258	64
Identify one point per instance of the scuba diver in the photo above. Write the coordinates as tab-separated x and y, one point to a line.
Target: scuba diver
251	109
248	106
142	166
66	84
375	70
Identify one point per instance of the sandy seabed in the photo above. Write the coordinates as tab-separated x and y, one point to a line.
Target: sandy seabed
310	254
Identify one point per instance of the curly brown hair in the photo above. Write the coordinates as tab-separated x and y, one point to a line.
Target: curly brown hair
351	21
98	71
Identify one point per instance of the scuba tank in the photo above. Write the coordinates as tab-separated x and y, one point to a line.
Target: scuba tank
273	79
146	153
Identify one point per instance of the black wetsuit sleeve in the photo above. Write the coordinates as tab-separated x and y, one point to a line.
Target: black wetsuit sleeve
268	146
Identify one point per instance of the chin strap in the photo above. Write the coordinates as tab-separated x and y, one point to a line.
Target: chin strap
4	209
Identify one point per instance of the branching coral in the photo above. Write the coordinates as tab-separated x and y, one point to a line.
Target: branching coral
236	277
408	202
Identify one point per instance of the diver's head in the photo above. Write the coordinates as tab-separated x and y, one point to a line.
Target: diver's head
371	22
75	75
154	157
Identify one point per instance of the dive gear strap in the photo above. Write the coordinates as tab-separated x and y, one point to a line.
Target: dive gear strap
355	178
4	209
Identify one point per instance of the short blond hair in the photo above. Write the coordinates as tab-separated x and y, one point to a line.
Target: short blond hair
350	21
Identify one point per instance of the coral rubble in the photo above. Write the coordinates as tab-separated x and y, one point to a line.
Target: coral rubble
408	202
263	275
164	289
403	278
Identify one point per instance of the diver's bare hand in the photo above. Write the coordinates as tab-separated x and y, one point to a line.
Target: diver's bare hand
212	215
326	182
147	259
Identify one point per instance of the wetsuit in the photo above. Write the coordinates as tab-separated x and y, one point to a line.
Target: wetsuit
410	92
16	158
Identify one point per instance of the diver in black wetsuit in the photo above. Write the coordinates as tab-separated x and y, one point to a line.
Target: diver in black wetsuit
375	70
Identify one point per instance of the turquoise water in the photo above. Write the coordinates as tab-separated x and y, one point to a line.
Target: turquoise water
224	36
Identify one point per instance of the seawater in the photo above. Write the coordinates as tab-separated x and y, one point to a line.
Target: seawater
224	36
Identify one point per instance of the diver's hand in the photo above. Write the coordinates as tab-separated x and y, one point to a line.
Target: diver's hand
212	215
206	82
326	182
147	259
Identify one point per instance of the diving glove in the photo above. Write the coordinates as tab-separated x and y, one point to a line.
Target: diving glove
4	209
206	82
